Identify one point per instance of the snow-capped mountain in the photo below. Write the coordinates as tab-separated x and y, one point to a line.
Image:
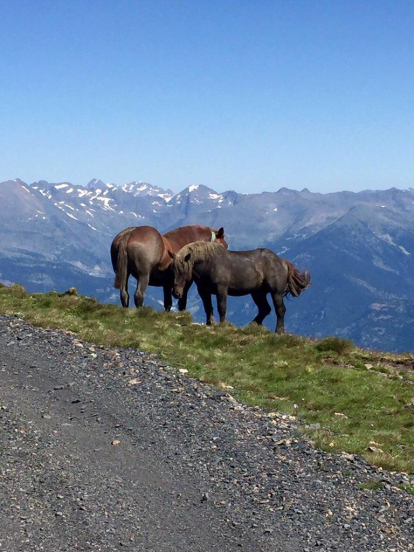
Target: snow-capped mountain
359	247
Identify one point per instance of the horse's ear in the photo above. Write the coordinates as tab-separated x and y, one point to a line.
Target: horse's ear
172	255
220	233
187	257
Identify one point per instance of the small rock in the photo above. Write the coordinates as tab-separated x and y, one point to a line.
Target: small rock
347	456
374	449
219	394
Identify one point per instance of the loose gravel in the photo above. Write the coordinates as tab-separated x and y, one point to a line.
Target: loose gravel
111	449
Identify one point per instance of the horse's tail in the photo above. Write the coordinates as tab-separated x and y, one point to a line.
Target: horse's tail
296	281
121	264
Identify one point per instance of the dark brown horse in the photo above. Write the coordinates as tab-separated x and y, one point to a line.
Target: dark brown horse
143	252
220	272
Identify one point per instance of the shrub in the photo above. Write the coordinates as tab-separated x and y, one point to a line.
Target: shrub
335	344
17	287
374	485
71	291
287	340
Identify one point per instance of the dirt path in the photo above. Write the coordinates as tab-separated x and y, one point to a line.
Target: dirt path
109	449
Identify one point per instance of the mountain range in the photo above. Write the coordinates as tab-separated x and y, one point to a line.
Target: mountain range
359	247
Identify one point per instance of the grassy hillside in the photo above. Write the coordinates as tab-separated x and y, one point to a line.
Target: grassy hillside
346	399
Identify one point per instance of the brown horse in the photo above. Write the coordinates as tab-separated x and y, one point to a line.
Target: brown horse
143	252
220	272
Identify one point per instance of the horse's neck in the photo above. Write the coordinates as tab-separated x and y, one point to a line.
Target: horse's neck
202	265
179	238
198	267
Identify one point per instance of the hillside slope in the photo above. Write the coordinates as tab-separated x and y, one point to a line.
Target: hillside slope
347	398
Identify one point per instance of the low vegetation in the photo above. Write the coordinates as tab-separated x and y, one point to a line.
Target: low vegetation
374	485
345	398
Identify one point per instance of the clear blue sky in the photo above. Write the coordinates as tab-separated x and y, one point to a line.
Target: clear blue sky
234	94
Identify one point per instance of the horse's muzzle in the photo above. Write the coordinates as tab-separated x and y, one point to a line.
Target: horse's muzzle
176	294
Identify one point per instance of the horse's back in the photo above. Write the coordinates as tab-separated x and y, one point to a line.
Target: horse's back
124	232
144	246
257	256
272	264
255	269
117	239
144	234
179	237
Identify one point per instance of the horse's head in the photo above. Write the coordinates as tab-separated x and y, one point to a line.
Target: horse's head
219	237
182	271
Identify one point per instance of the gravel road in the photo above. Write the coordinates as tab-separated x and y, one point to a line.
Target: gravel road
110	449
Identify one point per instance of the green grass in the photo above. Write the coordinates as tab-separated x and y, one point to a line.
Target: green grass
408	488
336	345
373	485
324	383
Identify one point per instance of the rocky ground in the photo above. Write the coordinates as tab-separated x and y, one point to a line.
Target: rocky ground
110	449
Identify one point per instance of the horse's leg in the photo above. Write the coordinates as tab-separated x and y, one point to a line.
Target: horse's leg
167	297
263	305
280	311
182	303
124	293
141	287
222	302
208	305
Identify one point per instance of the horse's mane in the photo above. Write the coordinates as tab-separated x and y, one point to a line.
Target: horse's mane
199	251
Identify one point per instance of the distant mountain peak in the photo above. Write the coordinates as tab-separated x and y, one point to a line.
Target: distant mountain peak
95	183
199	188
139	188
285	190
16	181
